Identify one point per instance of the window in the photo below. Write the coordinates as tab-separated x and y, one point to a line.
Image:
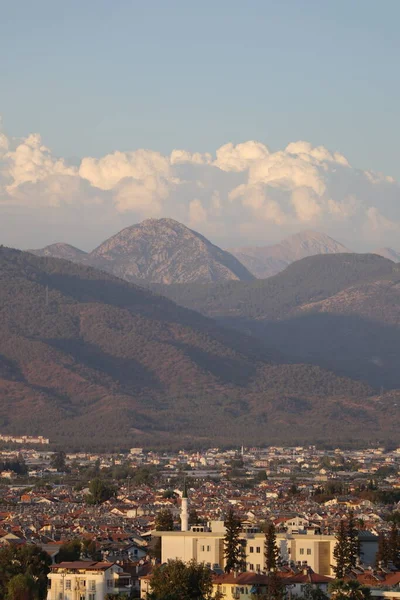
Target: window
202	548
208	548
109	583
92	596
251	567
308	550
258	567
251	549
301	550
67	584
92	586
258	549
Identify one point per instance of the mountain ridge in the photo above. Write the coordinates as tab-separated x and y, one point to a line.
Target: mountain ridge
265	261
90	360
339	311
61	250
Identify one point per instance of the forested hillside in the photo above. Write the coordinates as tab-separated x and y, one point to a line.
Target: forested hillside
89	360
339	311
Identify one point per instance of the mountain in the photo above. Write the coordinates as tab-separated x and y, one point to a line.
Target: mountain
388	253
93	361
265	261
60	250
338	311
165	251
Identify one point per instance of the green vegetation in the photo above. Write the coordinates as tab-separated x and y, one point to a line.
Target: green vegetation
164	520
350	590
99	491
233	549
347	549
119	365
179	581
271	552
328	310
23	573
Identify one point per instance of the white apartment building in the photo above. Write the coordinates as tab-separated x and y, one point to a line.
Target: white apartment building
87	580
206	544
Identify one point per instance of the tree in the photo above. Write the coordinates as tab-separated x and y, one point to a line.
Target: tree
311	592
194	517
164	520
69	551
382	555
353	541
394	546
29	560
275	587
99	491
89	550
233	549
58	461
348	590
179	581
340	552
21	587
271	552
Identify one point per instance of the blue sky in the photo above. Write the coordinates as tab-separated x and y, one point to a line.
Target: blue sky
94	76
127	82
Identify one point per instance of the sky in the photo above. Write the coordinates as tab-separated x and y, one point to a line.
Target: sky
247	121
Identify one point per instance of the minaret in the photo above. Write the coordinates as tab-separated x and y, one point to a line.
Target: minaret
184	510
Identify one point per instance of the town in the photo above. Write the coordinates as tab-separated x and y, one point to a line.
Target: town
106	521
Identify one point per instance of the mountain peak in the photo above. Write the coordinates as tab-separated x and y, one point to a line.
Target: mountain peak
388	253
61	250
166	251
264	261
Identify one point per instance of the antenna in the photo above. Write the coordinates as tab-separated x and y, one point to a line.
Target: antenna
47	295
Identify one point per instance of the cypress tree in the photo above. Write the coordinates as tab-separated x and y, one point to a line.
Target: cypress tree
353	541
382	555
341	551
233	550
271	552
394	546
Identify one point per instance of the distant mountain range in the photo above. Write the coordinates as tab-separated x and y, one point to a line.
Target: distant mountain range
64	251
165	251
388	253
90	360
339	311
265	261
157	251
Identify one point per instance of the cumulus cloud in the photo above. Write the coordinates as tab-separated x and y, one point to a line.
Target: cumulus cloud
241	194
32	162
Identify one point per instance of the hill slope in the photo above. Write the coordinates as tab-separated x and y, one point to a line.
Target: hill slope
106	363
165	251
265	261
338	311
388	253
60	250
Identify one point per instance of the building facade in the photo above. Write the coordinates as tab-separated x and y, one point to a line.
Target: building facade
206	544
87	580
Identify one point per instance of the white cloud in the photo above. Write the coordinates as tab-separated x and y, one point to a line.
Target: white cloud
244	194
32	162
105	173
240	157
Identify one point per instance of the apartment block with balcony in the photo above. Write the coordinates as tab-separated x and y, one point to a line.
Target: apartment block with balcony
87	580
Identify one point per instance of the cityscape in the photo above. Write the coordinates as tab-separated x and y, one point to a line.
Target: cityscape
199	300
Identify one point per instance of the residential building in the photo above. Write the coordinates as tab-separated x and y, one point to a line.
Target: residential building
87	580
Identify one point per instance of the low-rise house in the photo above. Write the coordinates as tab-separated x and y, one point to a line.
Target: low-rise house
87	580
